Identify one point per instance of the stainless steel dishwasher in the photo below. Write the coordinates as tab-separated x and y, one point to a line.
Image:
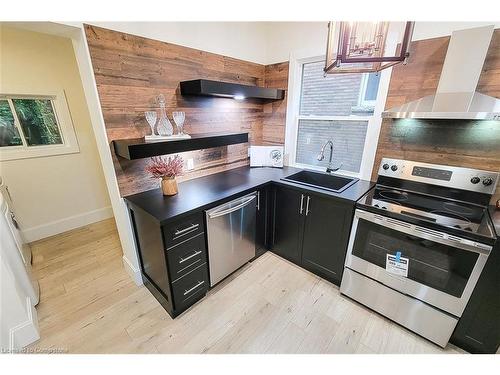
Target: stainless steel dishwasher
231	236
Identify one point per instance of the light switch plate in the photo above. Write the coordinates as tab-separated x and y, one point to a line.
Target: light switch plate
190	164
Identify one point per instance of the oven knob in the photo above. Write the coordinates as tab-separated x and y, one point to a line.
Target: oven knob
475	180
487	181
385	166
394	168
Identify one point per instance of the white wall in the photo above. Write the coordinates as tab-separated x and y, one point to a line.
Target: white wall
427	30
57	193
301	38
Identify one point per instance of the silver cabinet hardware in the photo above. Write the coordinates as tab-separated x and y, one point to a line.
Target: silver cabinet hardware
188	229
186	292
307	205
258	200
301	204
182	260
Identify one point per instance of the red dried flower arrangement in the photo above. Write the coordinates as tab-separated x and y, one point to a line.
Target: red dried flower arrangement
169	167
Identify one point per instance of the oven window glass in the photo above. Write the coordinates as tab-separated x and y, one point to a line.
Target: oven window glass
438	266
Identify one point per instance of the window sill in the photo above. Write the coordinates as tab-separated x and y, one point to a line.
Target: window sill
22	152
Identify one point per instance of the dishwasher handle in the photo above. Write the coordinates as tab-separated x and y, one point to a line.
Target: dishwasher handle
246	202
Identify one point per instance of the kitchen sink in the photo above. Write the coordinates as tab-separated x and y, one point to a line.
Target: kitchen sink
326	181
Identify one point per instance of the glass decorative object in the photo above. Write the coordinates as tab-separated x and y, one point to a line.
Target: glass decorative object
179	118
164	127
151	117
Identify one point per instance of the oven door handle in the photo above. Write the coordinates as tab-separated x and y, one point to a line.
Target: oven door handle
424	233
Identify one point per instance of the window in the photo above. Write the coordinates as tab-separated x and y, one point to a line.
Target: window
369	88
35	125
338	107
9	133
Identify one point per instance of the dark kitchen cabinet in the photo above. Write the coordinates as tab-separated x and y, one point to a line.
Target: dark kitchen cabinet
288	222
173	258
478	330
326	234
312	230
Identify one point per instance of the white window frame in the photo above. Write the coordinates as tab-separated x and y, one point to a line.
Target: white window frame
69	143
297	60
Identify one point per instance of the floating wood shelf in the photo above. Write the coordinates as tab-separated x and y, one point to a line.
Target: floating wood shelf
205	87
138	148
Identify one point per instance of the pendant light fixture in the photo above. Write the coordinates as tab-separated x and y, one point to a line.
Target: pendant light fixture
362	47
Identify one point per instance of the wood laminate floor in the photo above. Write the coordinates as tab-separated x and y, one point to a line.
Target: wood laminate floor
89	304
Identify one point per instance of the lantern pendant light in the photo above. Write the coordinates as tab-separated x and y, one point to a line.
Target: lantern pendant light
360	47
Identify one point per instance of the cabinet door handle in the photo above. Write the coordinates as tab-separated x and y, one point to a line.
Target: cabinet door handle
182	260
301	204
194	287
179	232
307	205
258	200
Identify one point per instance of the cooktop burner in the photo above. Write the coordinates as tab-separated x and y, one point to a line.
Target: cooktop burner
393	195
431	195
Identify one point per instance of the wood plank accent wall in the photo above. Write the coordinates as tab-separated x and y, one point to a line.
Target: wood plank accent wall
473	144
273	132
131	71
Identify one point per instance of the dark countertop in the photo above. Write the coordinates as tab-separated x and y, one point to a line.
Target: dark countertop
208	191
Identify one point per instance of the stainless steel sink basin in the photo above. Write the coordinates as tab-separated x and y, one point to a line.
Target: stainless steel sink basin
330	182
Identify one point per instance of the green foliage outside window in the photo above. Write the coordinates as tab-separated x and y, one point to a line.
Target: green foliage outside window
38	121
9	136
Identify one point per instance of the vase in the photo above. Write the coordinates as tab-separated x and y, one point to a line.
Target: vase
169	186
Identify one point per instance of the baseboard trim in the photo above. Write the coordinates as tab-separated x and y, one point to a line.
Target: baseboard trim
134	273
25	333
59	226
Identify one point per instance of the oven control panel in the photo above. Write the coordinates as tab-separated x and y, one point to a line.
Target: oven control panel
435	174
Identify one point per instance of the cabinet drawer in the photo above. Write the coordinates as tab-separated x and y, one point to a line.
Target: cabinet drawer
191	287
182	229
186	256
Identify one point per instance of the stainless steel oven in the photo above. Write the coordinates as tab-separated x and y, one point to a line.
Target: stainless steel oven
417	248
442	269
442	272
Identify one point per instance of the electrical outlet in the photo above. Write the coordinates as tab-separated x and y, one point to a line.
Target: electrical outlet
190	164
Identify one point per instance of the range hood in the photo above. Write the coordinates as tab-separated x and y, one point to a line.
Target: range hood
455	96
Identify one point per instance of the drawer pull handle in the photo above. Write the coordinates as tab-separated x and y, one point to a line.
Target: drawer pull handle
182	260
182	231
194	287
